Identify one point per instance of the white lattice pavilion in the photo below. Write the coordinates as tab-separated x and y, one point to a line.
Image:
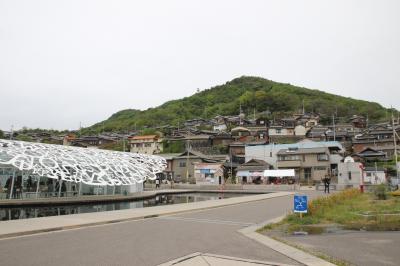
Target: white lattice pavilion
81	165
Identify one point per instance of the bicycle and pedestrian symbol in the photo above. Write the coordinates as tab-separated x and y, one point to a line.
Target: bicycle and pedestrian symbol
300	203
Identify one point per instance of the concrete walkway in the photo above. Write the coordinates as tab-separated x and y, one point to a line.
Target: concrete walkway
55	201
358	248
55	223
89	199
289	251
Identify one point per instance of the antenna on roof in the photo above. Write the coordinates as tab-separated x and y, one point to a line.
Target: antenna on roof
334	129
395	145
12	132
398	117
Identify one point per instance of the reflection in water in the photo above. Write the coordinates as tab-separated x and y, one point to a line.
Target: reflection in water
34	212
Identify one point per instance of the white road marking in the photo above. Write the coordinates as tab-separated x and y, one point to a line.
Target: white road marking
199	220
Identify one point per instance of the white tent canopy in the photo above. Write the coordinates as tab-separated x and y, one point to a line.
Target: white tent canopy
279	173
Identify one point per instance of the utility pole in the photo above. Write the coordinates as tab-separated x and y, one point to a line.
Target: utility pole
187	160
12	132
230	159
395	147
334	128
303	107
240	112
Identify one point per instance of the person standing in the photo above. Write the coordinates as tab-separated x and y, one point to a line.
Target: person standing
18	187
157	183
8	186
327	182
29	184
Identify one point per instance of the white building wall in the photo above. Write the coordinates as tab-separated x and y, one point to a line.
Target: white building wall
335	158
221	127
349	174
300	130
268	153
375	177
280	132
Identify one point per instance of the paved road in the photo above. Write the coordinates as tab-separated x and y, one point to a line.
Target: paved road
152	241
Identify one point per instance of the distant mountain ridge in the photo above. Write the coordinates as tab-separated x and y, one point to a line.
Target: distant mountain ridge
253	95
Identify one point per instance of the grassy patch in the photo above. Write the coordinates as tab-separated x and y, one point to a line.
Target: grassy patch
350	209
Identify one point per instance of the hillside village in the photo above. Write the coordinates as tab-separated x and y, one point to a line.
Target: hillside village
238	148
200	133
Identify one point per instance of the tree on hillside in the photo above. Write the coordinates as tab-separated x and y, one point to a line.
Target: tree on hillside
248	99
253	93
23	137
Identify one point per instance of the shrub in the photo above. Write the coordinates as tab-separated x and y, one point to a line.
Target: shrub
320	205
380	192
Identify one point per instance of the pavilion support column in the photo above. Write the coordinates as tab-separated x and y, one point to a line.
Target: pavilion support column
59	187
80	188
37	186
12	185
22	185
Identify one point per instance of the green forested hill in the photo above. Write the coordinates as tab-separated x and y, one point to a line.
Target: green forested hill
254	94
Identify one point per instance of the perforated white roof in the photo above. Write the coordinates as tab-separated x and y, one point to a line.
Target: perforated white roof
89	166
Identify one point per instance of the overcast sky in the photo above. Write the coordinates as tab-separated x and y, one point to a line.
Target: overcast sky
66	62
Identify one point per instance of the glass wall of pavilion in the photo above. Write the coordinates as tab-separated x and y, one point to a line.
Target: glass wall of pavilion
17	184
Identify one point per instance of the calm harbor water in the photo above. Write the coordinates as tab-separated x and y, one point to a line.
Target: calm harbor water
34	212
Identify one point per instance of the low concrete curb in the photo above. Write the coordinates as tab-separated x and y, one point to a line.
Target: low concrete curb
55	223
227	260
289	251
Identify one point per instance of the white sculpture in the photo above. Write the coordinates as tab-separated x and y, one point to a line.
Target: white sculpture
89	166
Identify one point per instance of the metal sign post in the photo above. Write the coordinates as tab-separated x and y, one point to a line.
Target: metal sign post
362	177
